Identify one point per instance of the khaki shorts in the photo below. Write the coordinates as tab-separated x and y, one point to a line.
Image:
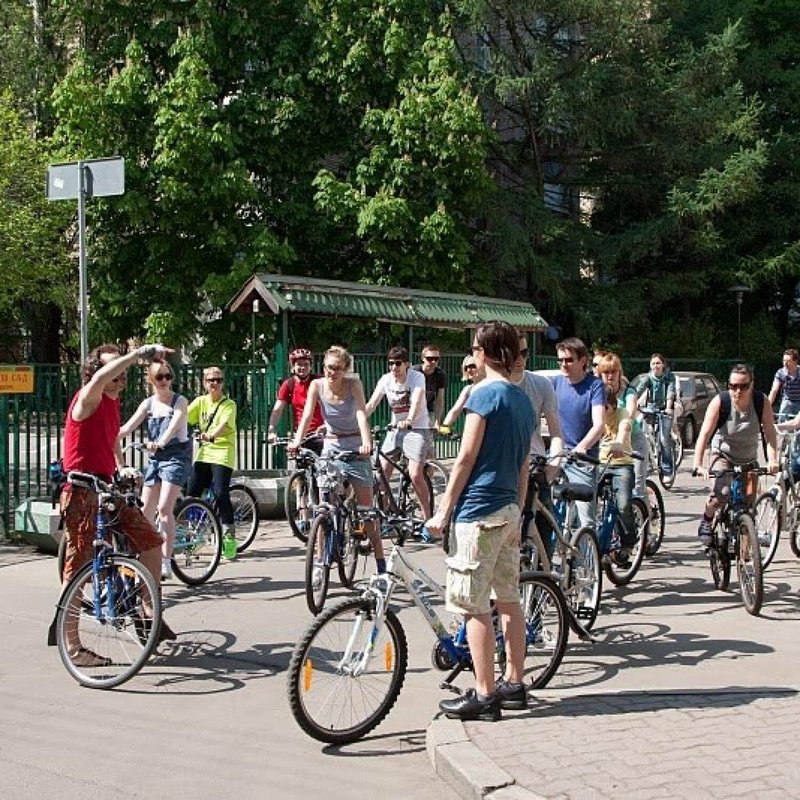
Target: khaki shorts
484	562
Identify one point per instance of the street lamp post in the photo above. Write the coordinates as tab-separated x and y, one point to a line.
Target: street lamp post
256	309
739	291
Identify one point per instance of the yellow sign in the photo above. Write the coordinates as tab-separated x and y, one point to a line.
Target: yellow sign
16	379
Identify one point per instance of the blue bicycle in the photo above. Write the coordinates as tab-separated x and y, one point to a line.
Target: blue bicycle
109	614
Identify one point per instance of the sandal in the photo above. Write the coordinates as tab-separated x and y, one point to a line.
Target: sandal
83	657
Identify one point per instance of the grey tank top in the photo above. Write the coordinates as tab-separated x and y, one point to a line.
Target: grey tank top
341	419
738	438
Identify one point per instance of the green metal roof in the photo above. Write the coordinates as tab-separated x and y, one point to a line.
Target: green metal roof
316	296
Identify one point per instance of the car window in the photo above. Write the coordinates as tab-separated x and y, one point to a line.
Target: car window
711	386
685	389
700	389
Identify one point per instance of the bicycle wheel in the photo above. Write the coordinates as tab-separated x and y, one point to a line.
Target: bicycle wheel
438	477
657	518
245	516
116	627
346	671
767	517
198	542
584	578
718	557
546	628
297	503
677	449
319	550
348	553
794	541
622	566
408	503
748	565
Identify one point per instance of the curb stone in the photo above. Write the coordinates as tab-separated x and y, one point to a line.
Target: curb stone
469	771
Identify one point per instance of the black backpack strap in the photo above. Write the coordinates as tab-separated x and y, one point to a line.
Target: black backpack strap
724	409
759	398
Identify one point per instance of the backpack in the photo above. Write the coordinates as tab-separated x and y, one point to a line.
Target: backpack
725	412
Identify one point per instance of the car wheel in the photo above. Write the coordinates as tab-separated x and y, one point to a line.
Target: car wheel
689	431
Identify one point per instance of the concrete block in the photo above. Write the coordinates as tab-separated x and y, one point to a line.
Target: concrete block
470	772
38	522
269	487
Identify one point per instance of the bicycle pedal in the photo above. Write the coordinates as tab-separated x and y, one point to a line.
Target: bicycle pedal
583	613
449	687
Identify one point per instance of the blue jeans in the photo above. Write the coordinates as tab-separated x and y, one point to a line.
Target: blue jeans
622	481
788	410
585	475
665	439
639	444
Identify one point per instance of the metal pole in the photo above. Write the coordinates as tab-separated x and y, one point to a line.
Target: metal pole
82	283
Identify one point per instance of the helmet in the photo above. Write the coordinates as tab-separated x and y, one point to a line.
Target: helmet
300	353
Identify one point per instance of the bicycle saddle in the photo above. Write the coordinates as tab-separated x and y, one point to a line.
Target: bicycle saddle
573	491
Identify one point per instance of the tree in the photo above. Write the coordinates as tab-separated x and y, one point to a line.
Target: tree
34	251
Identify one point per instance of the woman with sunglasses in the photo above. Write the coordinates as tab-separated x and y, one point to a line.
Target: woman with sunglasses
214	414
471	375
170	452
341	399
733	422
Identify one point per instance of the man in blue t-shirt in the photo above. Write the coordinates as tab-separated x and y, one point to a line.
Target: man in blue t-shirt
581	398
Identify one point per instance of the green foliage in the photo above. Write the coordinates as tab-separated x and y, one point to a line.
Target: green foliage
34	254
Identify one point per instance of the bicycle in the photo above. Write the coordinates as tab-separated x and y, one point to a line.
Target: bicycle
302	493
245	511
111	606
621	561
733	536
403	501
575	563
778	508
349	666
658	519
651	421
337	532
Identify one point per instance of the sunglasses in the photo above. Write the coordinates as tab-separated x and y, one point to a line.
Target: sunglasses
334	368
739	387
432	358
471	366
213	380
476	348
396	363
595	364
565	359
164	376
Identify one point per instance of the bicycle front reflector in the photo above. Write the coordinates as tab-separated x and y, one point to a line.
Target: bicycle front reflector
308	669
388	656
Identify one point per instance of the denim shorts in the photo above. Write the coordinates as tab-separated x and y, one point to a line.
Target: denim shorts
174	470
484	562
357	471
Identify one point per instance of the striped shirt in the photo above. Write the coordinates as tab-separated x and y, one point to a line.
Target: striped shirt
790	386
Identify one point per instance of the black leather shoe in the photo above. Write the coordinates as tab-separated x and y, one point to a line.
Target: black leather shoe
468	706
512	696
165	633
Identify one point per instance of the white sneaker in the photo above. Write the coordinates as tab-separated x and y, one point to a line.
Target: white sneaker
166	569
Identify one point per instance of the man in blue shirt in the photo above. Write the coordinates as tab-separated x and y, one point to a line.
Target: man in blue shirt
581	398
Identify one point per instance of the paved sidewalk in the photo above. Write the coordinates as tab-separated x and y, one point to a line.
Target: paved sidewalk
686	695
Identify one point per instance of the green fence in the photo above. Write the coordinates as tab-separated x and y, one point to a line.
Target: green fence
32	434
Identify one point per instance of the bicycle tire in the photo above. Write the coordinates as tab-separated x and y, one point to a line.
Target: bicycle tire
767	518
677	449
347	562
718	557
124	636
409	504
438	476
198	541
245	515
621	575
667	481
584	578
546	628
794	541
327	700
315	597
748	565
296	502
655	501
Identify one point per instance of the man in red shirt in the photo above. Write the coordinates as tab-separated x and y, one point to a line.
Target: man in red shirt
91	445
293	392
